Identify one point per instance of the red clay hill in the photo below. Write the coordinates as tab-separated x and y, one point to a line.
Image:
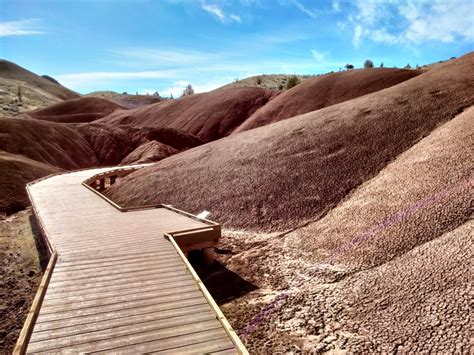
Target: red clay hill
326	90
281	175
84	109
30	149
209	116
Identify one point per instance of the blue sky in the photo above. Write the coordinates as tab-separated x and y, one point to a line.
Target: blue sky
147	45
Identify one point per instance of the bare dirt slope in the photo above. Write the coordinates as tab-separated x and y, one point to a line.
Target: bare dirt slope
386	270
112	144
16	172
47	142
282	175
36	91
9	70
84	109
20	275
209	116
326	90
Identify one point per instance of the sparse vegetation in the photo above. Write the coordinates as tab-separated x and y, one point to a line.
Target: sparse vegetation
349	66
292	82
368	64
258	80
188	91
381	65
408	66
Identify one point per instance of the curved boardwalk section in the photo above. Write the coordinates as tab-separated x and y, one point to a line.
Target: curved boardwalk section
118	284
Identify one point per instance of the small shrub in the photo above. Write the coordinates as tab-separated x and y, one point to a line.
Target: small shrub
368	64
259	80
349	66
292	82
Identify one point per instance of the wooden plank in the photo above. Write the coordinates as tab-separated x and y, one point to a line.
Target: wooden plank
172	343
118	307
118	283
75	329
129	312
95	284
207	346
118	269
108	301
89	341
143	340
100	292
111	276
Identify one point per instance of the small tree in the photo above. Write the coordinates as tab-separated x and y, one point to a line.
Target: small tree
188	90
349	66
20	99
156	94
293	81
408	66
368	64
381	65
259	80
171	96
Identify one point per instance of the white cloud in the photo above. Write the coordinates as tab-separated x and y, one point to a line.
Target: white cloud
20	28
302	8
336	5
219	13
412	22
319	56
165	56
358	32
79	80
236	18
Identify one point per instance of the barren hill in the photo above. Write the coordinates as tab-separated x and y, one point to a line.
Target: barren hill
16	172
371	204
209	115
84	109
326	90
281	175
35	91
33	148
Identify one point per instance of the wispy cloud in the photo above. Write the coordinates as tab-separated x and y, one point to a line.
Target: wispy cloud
319	56
20	28
412	22
219	13
304	9
165	56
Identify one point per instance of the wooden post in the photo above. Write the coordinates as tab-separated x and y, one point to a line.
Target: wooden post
102	184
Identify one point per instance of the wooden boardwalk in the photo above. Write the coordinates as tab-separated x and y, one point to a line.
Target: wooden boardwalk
118	285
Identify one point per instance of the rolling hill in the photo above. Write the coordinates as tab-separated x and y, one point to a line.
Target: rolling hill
209	116
84	109
326	90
